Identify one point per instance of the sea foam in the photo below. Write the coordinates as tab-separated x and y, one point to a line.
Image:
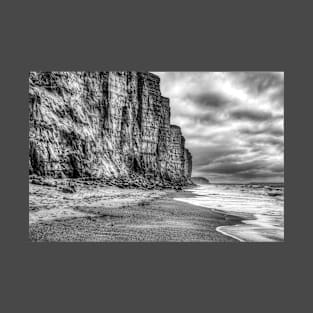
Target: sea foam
261	206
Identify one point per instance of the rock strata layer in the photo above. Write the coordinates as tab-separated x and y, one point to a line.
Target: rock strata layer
104	125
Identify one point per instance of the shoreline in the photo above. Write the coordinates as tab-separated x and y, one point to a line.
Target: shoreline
229	219
106	214
250	226
218	229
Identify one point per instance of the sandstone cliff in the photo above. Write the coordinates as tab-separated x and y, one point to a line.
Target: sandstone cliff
103	125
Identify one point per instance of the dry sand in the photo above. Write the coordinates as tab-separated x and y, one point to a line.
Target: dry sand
100	214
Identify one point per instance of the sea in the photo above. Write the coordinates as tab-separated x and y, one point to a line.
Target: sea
260	205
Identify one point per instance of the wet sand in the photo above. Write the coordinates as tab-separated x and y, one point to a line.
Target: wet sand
102	214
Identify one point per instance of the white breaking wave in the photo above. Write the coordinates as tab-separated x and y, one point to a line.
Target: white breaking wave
261	207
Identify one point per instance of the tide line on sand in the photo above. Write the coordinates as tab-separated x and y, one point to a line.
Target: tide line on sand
227	234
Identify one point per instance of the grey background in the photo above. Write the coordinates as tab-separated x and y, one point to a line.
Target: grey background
159	36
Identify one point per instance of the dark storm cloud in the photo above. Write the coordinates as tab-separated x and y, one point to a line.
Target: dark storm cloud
209	99
273	141
264	140
204	155
277	168
278	96
264	129
233	122
244	170
208	117
260	82
268	133
232	167
260	175
249	114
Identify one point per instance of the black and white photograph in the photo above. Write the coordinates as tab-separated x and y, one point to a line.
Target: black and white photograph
132	156
156	156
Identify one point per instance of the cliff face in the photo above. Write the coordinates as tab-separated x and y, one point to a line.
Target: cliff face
188	163
103	124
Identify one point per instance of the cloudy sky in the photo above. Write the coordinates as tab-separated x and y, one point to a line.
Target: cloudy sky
233	122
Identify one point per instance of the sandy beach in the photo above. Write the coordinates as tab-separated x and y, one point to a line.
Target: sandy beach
101	214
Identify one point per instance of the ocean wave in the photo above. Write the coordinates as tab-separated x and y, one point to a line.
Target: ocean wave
260	205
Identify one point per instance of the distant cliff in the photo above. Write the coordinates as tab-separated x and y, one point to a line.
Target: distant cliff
103	124
200	180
